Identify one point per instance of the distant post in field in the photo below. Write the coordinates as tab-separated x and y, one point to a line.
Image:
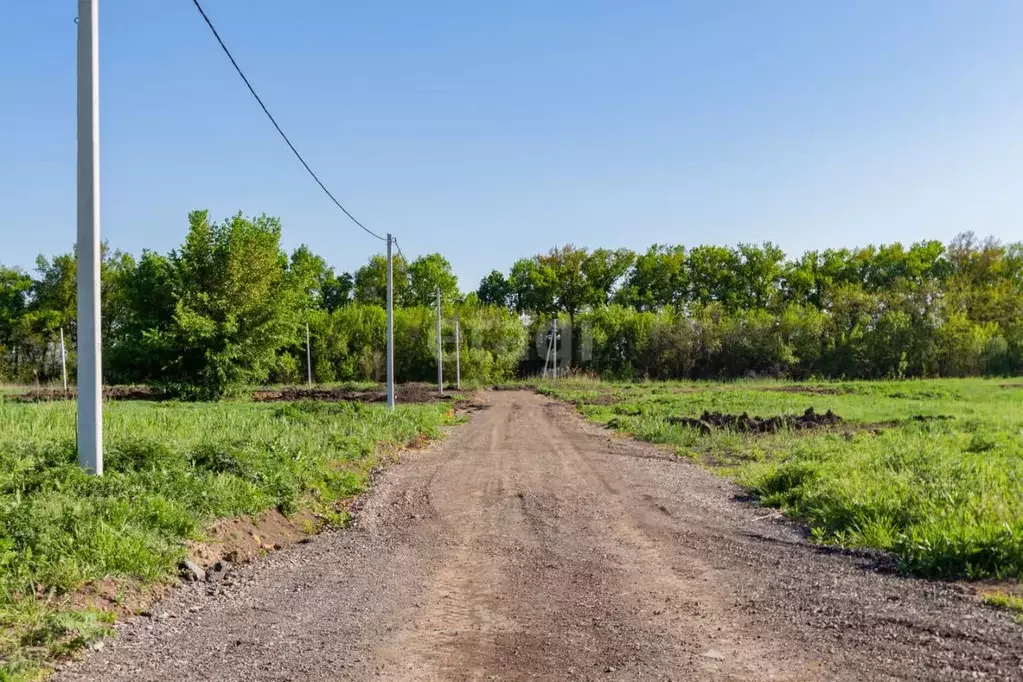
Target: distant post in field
458	357
554	346
308	357
63	359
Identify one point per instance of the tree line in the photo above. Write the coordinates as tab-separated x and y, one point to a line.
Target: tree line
891	311
229	308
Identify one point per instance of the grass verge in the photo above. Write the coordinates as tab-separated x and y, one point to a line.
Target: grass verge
171	470
944	496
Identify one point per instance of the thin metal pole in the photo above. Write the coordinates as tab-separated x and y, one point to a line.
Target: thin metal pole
390	326
440	351
547	358
63	359
90	363
308	357
458	357
554	345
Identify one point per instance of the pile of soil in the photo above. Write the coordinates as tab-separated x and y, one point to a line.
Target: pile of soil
744	423
44	395
403	393
332	395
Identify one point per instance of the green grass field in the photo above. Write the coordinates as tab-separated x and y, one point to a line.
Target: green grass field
944	496
171	469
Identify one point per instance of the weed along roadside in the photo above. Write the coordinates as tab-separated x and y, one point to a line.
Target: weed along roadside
930	471
189	488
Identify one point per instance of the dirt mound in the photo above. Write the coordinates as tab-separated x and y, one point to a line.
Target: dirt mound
403	393
419	393
241	539
45	395
319	394
744	423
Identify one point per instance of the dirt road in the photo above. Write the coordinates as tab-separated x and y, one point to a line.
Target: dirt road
530	545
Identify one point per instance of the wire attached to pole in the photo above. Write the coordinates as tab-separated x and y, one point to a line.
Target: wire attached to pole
398	246
274	121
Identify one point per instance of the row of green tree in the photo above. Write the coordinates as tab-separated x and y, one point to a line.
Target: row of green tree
718	312
230	308
983	276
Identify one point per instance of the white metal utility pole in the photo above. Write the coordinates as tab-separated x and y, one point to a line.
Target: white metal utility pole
458	357
63	359
390	327
547	358
308	357
90	387
440	351
554	345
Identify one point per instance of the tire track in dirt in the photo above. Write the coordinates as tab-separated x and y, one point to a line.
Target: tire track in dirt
679	600
531	545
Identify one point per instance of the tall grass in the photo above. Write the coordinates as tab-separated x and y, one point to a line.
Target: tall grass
946	497
171	468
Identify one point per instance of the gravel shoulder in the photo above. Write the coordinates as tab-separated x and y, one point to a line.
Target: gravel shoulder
531	545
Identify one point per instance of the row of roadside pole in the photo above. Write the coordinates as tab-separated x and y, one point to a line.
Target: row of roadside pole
390	339
440	352
390	336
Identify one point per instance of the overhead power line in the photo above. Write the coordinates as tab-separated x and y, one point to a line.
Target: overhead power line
398	246
272	120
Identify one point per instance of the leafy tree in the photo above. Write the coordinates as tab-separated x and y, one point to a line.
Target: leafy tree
759	276
603	270
347	344
533	287
139	348
713	276
804	280
15	289
427	274
336	290
309	273
563	270
495	290
658	278
236	303
370	281
963	345
55	292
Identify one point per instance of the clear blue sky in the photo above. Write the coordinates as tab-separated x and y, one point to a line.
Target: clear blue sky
493	130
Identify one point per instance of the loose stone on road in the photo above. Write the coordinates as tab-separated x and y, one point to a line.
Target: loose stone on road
531	545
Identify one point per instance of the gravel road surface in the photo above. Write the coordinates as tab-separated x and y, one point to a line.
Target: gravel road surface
531	545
